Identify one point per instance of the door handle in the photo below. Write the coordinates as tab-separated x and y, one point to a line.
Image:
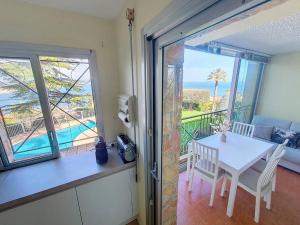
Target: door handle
154	172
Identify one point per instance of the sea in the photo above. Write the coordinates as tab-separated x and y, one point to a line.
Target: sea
7	99
208	85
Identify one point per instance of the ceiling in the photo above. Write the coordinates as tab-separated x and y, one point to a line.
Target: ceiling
277	37
108	9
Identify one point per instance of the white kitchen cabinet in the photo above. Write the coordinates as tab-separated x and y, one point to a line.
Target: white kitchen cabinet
57	209
134	191
110	200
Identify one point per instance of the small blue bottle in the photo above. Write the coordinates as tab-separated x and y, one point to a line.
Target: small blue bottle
101	151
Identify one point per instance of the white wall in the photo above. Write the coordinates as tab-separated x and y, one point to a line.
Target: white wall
280	89
22	22
145	11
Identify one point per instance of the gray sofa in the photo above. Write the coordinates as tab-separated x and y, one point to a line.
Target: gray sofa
291	159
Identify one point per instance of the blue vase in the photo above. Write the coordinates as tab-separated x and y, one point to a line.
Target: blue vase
101	151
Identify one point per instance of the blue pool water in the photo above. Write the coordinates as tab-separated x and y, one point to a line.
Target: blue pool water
41	143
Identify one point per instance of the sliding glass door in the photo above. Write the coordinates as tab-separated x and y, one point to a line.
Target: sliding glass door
197	84
246	92
192	72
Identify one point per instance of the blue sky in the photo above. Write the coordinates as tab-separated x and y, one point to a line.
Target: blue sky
198	65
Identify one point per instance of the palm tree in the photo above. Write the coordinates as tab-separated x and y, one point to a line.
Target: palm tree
216	75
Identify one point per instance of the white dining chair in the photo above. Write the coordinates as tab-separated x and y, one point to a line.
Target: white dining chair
259	184
261	164
243	129
205	164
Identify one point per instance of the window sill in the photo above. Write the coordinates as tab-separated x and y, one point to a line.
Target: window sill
22	185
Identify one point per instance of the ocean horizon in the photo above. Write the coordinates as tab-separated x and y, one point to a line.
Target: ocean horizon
7	99
208	85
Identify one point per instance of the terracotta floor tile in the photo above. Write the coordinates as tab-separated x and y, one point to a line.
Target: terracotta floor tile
193	209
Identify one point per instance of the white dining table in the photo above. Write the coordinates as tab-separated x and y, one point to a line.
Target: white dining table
236	155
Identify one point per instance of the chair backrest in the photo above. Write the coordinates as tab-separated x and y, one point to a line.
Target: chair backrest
206	159
285	142
269	172
243	129
279	149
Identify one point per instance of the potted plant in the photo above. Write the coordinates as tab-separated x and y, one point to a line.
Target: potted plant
221	126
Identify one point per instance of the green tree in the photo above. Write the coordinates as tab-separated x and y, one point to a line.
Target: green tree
17	79
216	76
206	106
192	98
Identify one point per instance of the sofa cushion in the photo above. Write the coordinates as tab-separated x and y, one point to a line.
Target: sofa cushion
295	127
263	132
259	120
295	142
280	135
292	155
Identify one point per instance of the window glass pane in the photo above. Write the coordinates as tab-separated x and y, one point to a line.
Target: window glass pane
246	91
207	79
22	127
68	82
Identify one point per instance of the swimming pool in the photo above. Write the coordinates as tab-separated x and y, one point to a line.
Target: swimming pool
41	145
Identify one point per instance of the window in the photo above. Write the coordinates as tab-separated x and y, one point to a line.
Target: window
47	105
247	86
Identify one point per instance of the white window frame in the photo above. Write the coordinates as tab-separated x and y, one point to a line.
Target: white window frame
32	52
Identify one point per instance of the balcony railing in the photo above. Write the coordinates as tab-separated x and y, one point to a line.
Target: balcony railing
197	127
23	127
